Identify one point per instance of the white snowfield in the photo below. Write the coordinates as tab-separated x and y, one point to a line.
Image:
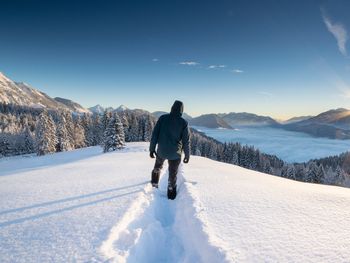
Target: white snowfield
85	206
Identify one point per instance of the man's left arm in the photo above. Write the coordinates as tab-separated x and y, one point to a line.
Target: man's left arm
186	142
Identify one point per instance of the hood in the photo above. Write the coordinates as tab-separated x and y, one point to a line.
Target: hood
177	108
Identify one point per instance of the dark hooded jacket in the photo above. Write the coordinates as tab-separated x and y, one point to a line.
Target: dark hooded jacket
172	135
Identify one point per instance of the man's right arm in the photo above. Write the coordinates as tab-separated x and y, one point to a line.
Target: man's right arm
155	135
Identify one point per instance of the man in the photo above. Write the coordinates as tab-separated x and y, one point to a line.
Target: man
172	135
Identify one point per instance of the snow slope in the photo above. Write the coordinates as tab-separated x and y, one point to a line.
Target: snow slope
84	206
60	208
266	218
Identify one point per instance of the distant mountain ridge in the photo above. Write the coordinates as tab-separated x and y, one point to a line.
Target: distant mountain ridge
232	120
334	124
336	117
247	119
297	119
210	121
157	114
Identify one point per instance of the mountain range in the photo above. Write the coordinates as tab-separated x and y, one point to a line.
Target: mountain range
157	114
332	124
100	109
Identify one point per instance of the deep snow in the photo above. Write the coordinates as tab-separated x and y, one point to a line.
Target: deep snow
85	206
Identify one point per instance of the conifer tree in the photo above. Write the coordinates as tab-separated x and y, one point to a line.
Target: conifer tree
114	135
120	136
28	140
86	123
45	135
79	134
97	130
64	140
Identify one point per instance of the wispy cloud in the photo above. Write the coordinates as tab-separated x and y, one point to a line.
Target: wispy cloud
265	93
189	63
216	66
155	60
343	88
338	31
237	71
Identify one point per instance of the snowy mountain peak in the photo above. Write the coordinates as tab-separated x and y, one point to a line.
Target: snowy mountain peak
97	109
3	78
121	108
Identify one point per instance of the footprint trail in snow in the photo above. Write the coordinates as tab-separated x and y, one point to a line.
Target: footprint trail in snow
156	229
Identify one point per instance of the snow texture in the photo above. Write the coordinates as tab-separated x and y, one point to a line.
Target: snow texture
85	206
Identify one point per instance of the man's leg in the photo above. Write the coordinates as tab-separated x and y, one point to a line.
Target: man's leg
156	171
173	168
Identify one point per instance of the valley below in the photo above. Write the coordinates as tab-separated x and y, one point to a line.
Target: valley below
290	146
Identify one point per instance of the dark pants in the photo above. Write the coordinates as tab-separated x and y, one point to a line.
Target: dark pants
173	168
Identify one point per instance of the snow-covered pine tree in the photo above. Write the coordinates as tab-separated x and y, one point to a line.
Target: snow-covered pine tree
64	140
266	166
234	157
339	175
69	127
329	175
290	172
109	136
86	123
320	175
79	134
125	122
312	172
120	135
97	130
114	135
105	119
28	140
5	146
45	134
284	170
133	129
147	127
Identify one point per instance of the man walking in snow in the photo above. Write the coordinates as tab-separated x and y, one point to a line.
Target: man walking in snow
172	135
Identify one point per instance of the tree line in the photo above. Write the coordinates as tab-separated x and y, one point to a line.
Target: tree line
26	130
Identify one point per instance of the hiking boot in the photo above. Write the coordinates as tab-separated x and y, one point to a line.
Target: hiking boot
171	192
155	178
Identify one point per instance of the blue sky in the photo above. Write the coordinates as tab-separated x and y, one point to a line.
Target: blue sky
277	58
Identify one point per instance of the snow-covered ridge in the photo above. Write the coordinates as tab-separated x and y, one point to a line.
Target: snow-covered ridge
3	78
22	94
